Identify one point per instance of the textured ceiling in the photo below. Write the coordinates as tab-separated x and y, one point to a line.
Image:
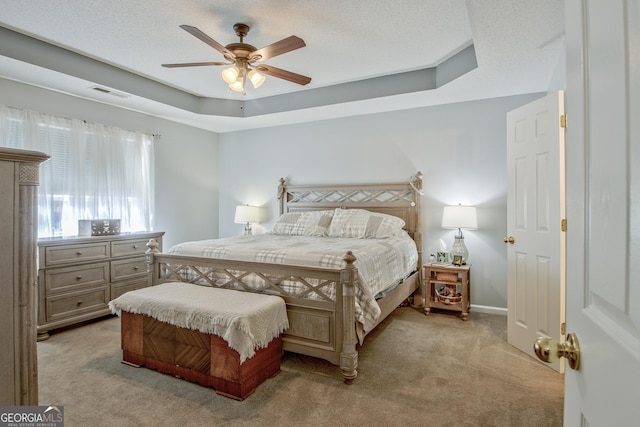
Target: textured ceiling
361	47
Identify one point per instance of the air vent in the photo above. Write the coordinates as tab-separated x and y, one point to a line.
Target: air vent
109	91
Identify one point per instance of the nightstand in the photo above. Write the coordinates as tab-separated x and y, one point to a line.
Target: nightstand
447	287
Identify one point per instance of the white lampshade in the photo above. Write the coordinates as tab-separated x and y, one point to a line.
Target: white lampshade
246	214
460	217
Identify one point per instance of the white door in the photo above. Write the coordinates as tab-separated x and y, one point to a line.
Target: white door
535	208
603	211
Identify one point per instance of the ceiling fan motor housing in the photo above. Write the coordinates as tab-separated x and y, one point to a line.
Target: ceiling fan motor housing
240	50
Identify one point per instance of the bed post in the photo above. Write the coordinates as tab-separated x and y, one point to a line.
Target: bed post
282	194
153	269
349	355
416	183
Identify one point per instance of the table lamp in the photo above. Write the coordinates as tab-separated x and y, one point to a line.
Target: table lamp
247	215
459	217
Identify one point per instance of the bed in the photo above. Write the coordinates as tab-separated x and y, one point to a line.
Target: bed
329	305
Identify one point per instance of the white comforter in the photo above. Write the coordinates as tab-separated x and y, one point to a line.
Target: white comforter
381	263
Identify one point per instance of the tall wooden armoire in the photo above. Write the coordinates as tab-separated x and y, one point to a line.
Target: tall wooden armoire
19	179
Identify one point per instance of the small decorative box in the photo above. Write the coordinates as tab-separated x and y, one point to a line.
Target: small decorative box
98	227
447	277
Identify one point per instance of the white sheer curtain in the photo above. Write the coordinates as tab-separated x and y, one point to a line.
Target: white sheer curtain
95	171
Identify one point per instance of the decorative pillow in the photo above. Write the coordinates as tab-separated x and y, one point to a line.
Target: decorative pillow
309	223
362	224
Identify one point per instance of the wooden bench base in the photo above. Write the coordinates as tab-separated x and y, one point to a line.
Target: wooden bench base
197	357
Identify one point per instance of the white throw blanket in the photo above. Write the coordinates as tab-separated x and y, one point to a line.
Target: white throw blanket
246	321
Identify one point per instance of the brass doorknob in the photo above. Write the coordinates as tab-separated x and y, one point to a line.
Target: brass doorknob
509	239
548	350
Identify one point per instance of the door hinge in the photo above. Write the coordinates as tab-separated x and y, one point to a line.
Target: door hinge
563	225
563	328
563	121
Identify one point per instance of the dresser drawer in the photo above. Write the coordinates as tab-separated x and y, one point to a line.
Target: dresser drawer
67	278
67	254
128	268
77	303
128	247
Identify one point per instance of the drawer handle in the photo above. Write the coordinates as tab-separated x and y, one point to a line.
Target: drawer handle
135	246
79	277
136	268
79	253
79	302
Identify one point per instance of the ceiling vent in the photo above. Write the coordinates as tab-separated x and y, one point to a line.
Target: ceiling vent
109	91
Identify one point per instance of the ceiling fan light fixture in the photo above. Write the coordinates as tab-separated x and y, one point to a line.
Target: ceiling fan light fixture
237	86
230	75
256	78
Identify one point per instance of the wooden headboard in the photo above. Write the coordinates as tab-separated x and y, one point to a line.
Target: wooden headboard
401	199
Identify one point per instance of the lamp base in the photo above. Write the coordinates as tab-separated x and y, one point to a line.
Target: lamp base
459	249
247	230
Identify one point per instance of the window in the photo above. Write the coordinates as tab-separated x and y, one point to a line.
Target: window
95	171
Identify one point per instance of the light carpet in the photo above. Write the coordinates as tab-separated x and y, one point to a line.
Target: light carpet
414	370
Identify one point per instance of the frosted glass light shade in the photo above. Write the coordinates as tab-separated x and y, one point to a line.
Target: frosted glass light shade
237	86
256	78
230	75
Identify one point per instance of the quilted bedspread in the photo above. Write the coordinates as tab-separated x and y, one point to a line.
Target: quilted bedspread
381	263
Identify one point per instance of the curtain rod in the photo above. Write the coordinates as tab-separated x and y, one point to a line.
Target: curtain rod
154	135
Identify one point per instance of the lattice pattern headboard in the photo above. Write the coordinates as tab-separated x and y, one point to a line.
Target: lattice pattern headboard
398	199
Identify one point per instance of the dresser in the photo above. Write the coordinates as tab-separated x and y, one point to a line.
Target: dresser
78	276
19	179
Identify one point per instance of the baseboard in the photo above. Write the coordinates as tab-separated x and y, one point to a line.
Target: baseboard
489	310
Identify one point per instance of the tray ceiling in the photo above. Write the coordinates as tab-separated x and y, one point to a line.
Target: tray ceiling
363	56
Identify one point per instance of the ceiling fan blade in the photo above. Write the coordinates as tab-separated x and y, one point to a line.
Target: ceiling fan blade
194	64
208	40
283	74
277	48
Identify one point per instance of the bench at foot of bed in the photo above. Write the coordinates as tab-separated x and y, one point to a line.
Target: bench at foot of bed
195	356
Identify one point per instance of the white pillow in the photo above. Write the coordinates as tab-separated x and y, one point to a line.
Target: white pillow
308	223
362	224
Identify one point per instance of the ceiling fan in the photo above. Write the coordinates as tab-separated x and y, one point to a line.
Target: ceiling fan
243	57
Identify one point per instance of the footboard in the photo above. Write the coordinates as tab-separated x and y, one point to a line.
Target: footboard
323	327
